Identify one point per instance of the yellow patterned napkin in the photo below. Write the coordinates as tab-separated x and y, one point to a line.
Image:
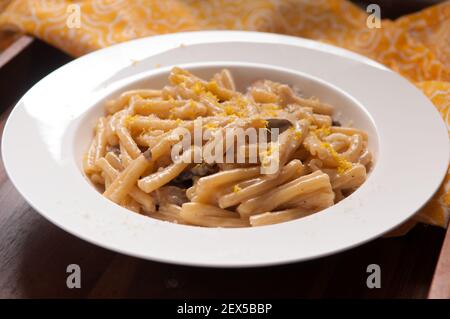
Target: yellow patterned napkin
417	45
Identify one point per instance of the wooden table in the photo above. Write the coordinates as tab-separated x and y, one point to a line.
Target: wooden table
34	253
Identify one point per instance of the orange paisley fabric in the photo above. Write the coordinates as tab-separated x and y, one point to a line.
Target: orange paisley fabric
417	46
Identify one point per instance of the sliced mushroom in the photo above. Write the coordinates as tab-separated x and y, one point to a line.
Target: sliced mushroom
204	169
171	195
280	123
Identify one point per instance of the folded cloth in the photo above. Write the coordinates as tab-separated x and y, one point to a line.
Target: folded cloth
417	46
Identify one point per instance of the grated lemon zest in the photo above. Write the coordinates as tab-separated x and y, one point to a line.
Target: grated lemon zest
343	164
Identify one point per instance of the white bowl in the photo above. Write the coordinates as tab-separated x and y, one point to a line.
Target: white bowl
51	126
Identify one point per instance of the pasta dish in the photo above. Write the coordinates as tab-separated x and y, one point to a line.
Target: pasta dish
199	152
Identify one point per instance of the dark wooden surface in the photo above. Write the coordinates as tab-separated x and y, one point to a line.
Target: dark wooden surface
34	254
440	286
392	9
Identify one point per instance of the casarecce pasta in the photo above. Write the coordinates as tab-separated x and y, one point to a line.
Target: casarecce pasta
317	161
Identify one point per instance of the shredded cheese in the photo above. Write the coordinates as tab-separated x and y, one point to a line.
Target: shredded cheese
198	88
322	132
129	119
211	126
